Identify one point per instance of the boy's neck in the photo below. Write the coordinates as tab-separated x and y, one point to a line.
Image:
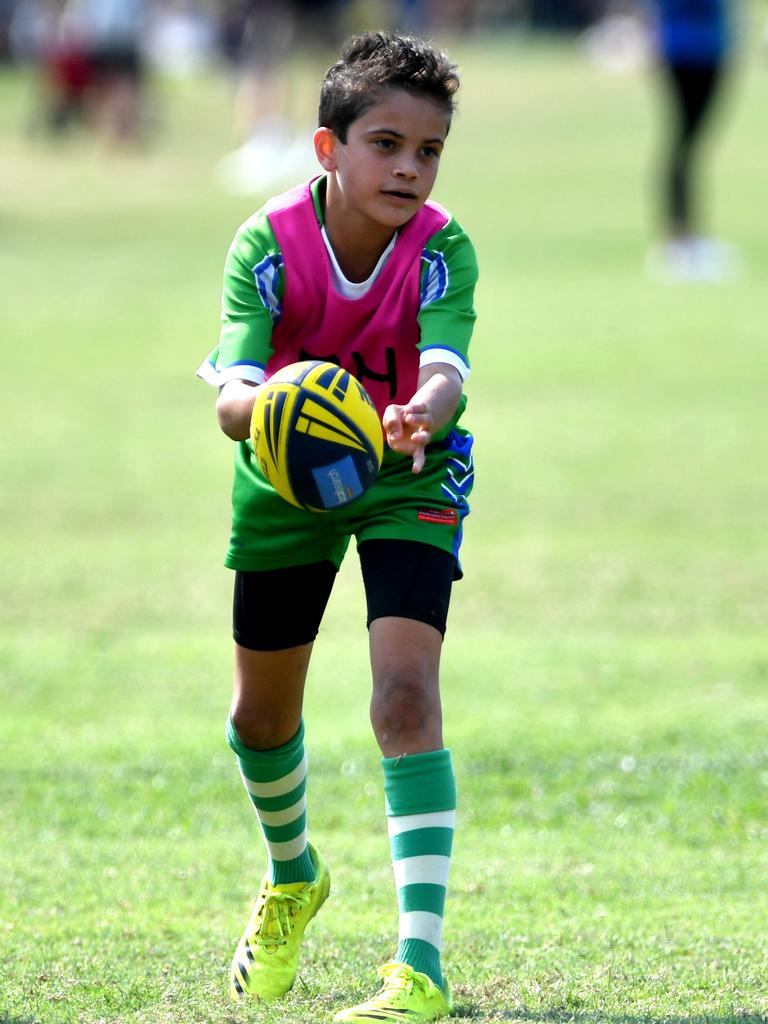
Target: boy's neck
357	242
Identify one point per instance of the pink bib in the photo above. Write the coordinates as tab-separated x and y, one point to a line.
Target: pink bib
375	336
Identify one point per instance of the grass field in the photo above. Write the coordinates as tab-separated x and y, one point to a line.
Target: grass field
606	663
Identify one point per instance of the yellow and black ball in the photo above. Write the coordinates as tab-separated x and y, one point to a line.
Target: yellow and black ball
316	435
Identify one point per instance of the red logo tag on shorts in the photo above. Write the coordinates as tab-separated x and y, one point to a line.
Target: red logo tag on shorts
447	516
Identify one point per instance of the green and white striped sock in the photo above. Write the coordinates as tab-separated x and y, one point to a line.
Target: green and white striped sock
420	792
276	781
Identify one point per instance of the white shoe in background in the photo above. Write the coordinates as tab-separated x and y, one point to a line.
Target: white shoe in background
694	261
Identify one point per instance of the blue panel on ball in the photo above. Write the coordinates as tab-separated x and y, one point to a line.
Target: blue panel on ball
338	482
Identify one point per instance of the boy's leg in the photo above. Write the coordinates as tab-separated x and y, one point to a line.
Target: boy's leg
419	782
266	732
276	617
419	786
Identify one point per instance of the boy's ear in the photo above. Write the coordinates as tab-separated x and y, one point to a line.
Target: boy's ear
325	148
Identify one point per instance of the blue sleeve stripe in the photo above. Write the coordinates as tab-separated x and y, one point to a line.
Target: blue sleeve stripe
266	277
435	283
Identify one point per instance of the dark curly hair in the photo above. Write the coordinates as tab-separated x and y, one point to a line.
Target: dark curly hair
373	61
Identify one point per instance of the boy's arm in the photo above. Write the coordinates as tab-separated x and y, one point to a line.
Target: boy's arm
409	428
446	316
234	407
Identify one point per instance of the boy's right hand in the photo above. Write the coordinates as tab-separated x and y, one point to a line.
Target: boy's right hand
408	430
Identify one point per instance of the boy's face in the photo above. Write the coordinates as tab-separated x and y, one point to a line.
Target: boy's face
387	167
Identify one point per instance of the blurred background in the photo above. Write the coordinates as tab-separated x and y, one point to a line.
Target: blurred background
94	60
605	665
96	66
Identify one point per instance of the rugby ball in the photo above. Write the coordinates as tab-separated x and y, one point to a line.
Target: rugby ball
316	435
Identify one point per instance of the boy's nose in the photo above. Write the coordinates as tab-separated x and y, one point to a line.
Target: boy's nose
407	171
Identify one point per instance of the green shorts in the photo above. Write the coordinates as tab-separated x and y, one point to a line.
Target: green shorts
429	507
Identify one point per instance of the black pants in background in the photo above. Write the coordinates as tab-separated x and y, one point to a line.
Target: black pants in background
693	88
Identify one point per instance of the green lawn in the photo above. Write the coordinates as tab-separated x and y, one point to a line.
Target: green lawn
606	663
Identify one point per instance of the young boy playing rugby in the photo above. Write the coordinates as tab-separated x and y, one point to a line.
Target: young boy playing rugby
358	268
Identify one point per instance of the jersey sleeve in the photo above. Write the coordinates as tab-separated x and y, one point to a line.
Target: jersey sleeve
447	315
251	305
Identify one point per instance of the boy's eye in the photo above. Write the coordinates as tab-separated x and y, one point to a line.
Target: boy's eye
383	143
431	151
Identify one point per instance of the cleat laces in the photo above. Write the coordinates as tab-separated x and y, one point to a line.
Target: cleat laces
274	922
399	981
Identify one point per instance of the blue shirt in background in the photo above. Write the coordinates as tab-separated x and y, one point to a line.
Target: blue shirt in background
694	31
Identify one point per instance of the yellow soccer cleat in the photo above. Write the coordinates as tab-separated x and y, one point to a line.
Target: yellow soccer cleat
406	995
267	956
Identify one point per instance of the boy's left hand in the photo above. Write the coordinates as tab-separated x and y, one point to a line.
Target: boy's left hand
408	430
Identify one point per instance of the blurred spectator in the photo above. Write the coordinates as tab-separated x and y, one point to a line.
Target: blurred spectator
694	44
69	78
260	38
109	35
63	76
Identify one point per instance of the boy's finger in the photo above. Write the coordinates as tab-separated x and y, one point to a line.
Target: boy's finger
421	437
393	418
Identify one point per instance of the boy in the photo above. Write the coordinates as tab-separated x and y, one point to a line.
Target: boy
356	267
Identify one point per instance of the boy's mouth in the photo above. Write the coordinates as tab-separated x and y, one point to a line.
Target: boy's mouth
399	194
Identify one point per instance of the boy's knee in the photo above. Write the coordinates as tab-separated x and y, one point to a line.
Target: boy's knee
403	703
260	730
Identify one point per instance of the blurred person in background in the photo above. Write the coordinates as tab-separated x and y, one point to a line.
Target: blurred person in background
109	33
261	38
694	42
62	75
